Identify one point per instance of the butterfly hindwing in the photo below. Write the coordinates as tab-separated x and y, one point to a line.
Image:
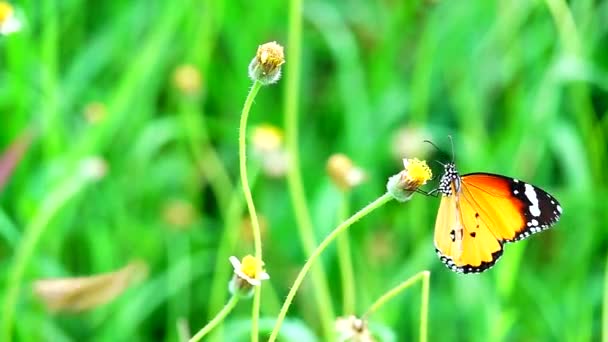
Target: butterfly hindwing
462	239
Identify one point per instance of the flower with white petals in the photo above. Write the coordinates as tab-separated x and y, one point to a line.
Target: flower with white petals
353	329
415	173
9	23
248	273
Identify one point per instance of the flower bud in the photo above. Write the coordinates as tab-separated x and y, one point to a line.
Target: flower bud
266	65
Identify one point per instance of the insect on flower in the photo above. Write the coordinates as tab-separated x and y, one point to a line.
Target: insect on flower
480	212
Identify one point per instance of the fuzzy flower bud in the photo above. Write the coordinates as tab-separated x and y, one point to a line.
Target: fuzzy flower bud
415	174
266	65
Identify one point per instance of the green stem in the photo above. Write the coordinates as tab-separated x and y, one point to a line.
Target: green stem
217	319
257	238
294	178
380	201
346	263
424	276
605	306
33	232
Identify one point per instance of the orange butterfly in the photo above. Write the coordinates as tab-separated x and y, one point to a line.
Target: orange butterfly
479	212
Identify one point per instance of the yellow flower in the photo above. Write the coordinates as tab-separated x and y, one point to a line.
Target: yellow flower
344	173
267	141
95	112
9	23
266	65
415	173
353	329
248	272
187	79
267	137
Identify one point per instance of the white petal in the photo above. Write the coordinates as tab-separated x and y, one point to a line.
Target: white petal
236	263
264	276
11	25
254	282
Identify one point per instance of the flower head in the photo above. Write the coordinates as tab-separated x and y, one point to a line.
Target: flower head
415	173
9	23
248	273
95	112
353	329
344	173
187	79
265	67
409	141
267	141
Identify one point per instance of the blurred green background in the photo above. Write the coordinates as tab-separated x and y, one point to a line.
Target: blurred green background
521	86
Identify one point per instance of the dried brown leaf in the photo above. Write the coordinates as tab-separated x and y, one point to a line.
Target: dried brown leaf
83	293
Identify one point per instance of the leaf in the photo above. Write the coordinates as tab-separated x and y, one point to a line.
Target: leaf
83	293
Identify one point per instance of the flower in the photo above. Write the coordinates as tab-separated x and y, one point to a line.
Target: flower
187	79
267	141
415	173
353	329
248	273
266	137
265	67
409	141
9	23
95	112
344	173
178	214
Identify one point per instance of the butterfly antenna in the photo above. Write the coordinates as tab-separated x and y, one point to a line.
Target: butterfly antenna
452	143
435	146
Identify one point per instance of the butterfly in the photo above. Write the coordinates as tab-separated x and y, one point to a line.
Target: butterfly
480	212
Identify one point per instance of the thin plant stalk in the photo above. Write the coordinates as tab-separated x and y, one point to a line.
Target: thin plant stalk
217	319
424	277
294	178
379	202
605	306
345	260
257	238
33	233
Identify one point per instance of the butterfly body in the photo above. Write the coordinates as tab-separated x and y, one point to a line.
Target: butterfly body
479	212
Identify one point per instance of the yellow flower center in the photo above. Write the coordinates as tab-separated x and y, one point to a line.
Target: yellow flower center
417	171
267	137
270	56
251	266
6	11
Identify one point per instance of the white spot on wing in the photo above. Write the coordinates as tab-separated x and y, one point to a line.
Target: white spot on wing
531	195
559	208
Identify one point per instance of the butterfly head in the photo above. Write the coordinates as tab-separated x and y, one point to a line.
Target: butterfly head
450	174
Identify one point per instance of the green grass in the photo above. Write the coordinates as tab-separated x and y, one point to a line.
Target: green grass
522	86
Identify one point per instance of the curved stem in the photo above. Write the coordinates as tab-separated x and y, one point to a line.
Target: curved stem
217	319
380	201
257	239
424	276
346	263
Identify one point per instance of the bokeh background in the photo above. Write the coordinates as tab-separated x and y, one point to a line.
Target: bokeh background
119	124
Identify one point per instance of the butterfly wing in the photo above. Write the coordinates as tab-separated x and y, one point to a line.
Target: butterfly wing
474	221
513	209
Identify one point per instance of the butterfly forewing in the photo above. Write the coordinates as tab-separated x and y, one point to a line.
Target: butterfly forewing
520	209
